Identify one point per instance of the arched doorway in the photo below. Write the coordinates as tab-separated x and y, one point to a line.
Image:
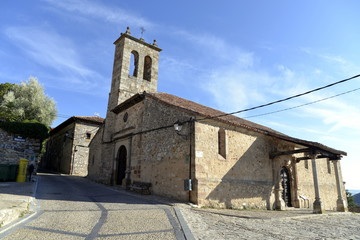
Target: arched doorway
286	187
121	164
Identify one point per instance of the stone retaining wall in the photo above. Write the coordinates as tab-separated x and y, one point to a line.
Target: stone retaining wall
13	147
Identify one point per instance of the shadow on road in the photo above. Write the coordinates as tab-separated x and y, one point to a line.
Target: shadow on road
73	188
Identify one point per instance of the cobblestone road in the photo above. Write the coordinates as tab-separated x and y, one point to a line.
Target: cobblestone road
233	224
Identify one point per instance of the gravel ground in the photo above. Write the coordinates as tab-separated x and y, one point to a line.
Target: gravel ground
257	224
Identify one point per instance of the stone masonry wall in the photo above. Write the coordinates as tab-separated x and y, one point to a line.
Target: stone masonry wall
160	157
59	150
67	149
11	150
327	183
100	166
242	179
83	134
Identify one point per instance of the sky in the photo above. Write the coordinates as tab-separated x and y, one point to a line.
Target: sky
230	56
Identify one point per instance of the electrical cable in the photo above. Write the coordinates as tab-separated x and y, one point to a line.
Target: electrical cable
264	105
281	100
302	105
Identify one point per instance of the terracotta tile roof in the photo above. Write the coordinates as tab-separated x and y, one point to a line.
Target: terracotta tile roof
207	112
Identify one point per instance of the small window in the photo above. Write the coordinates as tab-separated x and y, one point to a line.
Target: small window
67	136
126	116
306	162
147	68
134	62
88	135
222	142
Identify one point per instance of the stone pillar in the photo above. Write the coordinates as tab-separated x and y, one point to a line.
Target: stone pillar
295	193
279	202
318	207
341	203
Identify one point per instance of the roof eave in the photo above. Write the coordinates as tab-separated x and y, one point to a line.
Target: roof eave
128	103
70	121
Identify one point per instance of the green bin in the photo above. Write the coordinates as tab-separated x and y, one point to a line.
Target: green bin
8	172
12	173
3	172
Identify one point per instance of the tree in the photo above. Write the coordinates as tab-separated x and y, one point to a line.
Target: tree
27	101
350	199
5	88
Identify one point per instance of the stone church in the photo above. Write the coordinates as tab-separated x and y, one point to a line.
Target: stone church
190	152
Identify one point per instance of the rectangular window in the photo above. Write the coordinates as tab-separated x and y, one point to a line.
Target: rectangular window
88	135
306	162
222	142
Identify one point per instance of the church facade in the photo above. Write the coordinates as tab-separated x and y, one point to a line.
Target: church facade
194	153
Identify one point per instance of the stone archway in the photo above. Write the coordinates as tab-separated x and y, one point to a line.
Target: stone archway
285	182
121	164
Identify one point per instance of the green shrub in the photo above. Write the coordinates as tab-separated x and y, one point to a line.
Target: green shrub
28	129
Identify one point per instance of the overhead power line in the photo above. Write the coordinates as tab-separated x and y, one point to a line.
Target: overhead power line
306	104
263	105
282	100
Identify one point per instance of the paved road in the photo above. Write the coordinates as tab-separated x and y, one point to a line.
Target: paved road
73	208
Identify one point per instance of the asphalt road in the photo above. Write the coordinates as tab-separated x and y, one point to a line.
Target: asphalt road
74	208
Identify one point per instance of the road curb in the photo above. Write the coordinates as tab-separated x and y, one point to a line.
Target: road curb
186	230
14	213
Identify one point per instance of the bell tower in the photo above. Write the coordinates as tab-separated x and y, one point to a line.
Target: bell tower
135	68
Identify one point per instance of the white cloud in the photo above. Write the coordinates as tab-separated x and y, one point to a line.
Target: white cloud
344	66
237	81
226	72
57	52
231	88
218	49
338	118
108	14
175	65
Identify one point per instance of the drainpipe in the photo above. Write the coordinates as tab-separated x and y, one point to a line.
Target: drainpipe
189	137
191	131
128	169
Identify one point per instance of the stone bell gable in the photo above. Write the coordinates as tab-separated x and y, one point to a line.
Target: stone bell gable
135	70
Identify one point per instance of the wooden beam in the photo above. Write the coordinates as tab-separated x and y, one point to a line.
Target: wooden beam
276	154
321	154
331	158
302	158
